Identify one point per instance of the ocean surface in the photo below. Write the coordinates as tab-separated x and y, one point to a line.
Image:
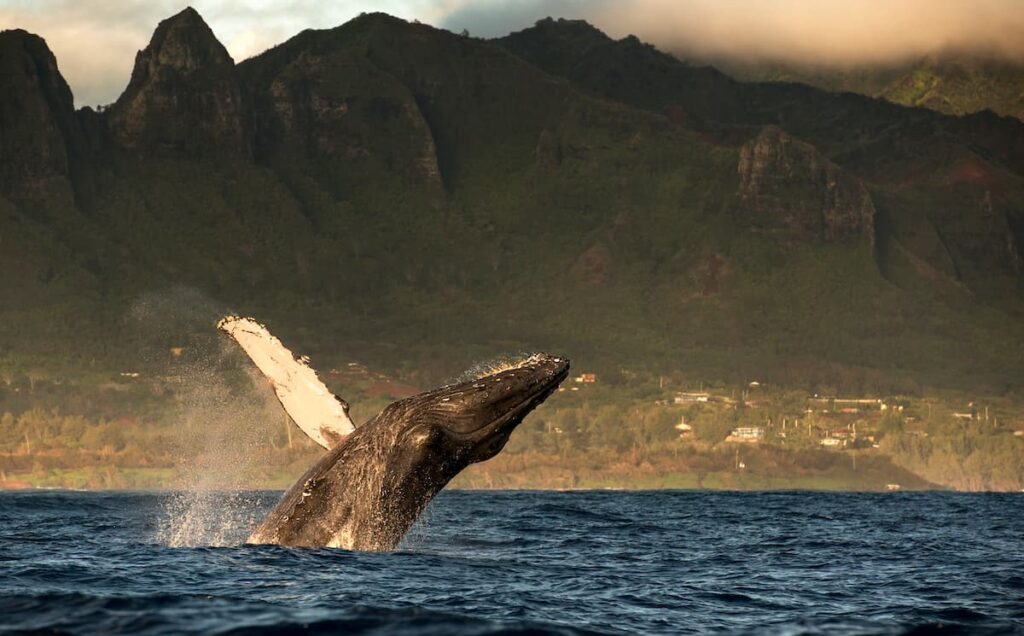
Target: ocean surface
523	562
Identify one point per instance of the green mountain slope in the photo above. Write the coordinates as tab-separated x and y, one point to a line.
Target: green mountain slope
421	200
956	84
927	172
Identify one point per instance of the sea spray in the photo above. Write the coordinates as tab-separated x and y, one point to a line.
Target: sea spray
222	419
419	534
221	431
490	366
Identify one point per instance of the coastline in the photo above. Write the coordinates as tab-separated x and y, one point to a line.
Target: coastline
161	480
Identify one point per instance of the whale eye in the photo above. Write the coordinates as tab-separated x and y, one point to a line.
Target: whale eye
423	436
420	438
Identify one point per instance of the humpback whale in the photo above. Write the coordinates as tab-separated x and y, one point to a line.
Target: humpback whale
375	479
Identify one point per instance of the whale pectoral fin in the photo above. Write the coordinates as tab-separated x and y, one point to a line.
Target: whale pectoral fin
319	413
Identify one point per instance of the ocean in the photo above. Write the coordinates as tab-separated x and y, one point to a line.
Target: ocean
523	563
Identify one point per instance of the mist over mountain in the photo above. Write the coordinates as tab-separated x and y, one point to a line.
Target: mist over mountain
952	83
399	193
829	33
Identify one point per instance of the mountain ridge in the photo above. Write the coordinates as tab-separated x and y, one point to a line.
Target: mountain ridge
950	82
418	190
183	92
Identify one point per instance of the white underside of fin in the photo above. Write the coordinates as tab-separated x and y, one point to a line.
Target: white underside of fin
320	415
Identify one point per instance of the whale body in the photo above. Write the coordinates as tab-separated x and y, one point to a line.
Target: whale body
375	479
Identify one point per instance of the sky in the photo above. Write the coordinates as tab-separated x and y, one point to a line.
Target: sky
95	40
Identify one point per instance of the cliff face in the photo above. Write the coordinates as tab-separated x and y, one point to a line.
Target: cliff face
319	98
38	128
787	187
183	95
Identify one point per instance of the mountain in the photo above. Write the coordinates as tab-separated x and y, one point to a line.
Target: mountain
183	94
929	172
395	193
951	83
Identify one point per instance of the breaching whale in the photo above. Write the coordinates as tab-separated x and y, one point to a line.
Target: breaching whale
376	479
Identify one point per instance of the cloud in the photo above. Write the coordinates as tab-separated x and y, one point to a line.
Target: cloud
95	40
826	31
838	32
95	45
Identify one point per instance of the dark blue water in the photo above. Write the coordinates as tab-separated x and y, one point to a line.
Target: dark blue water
484	563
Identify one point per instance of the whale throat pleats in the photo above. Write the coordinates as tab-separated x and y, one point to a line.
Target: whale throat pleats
319	413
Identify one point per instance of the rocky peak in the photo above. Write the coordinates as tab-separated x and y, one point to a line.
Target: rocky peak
184	93
38	130
185	43
555	45
790	189
26	56
563	27
376	18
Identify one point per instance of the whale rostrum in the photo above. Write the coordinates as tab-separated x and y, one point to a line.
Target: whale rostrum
375	480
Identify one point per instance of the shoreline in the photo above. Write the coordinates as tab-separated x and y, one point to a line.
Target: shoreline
791	486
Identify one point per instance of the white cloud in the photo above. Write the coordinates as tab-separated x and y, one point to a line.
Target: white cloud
822	31
95	40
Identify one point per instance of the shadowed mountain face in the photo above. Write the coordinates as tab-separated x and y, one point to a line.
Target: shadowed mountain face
38	128
423	196
787	187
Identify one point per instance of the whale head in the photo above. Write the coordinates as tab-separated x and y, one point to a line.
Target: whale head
468	422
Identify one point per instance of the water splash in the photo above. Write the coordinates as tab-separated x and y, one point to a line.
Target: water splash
419	534
493	365
222	421
223	426
207	518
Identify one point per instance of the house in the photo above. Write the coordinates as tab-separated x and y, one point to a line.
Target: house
687	398
859	402
177	351
685	430
832	442
964	416
746	434
586	378
842	404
